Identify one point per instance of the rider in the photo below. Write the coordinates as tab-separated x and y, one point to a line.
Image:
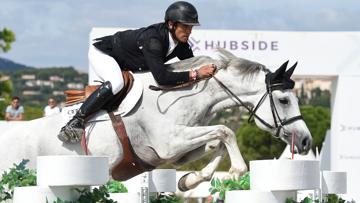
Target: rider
138	50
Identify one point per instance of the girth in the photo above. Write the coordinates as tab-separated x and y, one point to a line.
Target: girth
130	165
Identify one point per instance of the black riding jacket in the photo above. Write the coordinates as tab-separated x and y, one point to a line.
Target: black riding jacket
145	49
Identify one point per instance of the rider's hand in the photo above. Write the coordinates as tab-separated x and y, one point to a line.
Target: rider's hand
206	71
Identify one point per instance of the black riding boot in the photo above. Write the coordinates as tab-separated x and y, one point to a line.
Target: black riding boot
73	130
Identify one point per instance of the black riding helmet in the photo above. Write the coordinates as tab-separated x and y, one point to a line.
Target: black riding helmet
182	12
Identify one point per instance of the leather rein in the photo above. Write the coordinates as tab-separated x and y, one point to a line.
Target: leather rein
279	123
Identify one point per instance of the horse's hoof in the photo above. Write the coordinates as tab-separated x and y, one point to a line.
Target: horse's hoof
181	184
236	172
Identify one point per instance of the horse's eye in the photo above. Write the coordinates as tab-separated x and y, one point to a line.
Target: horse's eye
284	101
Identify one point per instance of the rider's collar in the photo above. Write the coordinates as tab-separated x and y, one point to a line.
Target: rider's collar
172	44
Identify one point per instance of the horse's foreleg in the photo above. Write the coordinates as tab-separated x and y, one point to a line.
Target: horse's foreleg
238	166
227	137
197	153
193	179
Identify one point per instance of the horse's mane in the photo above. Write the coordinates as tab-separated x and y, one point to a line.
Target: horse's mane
247	68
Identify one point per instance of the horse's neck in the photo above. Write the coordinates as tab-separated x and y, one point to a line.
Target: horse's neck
204	98
248	90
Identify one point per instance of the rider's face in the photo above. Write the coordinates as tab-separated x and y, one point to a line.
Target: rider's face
182	32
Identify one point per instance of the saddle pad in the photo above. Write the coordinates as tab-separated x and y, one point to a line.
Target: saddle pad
125	107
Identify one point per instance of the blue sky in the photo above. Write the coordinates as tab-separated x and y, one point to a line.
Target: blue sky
56	32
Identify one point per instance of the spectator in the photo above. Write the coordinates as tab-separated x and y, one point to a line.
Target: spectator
51	108
14	112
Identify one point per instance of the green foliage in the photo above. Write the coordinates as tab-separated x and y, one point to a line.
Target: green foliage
318	120
6	38
330	198
221	186
31	113
3	105
101	195
17	176
333	198
6	87
320	98
65	76
59	201
305	200
114	186
165	198
97	195
257	144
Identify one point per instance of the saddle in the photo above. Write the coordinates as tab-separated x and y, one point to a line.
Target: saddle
130	165
78	96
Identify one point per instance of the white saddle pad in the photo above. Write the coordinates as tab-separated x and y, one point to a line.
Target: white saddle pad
125	107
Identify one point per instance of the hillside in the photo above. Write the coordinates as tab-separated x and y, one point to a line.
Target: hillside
35	85
8	65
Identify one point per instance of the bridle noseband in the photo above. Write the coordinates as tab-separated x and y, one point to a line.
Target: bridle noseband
279	123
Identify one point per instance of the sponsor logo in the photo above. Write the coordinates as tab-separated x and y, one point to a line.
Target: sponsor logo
195	44
348	128
349	156
234	45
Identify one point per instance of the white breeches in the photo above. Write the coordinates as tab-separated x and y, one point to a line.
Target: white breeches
106	68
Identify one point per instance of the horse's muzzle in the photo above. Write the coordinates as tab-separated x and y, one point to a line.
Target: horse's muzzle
305	145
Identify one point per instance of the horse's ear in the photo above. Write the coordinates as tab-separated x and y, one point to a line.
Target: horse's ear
280	71
291	70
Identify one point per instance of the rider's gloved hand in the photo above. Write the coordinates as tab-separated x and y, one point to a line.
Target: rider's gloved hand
206	71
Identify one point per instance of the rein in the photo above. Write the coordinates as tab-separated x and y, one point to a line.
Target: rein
279	123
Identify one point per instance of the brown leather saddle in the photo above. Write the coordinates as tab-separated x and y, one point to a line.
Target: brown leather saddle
130	165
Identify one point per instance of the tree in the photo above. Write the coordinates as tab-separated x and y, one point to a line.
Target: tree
320	97
318	120
256	144
5	91
6	38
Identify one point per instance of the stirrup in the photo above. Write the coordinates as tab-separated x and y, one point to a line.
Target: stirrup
72	131
68	134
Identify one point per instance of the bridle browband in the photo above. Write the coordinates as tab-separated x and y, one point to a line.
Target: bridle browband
279	123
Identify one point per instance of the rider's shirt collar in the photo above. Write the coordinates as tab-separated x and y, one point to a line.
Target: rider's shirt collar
172	45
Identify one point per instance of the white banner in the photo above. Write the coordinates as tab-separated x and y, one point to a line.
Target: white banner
345	133
318	53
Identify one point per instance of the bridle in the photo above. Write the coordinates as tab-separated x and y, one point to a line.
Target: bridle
279	123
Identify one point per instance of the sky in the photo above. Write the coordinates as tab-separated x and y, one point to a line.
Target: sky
56	32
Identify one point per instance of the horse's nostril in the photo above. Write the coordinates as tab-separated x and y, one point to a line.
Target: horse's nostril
306	142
